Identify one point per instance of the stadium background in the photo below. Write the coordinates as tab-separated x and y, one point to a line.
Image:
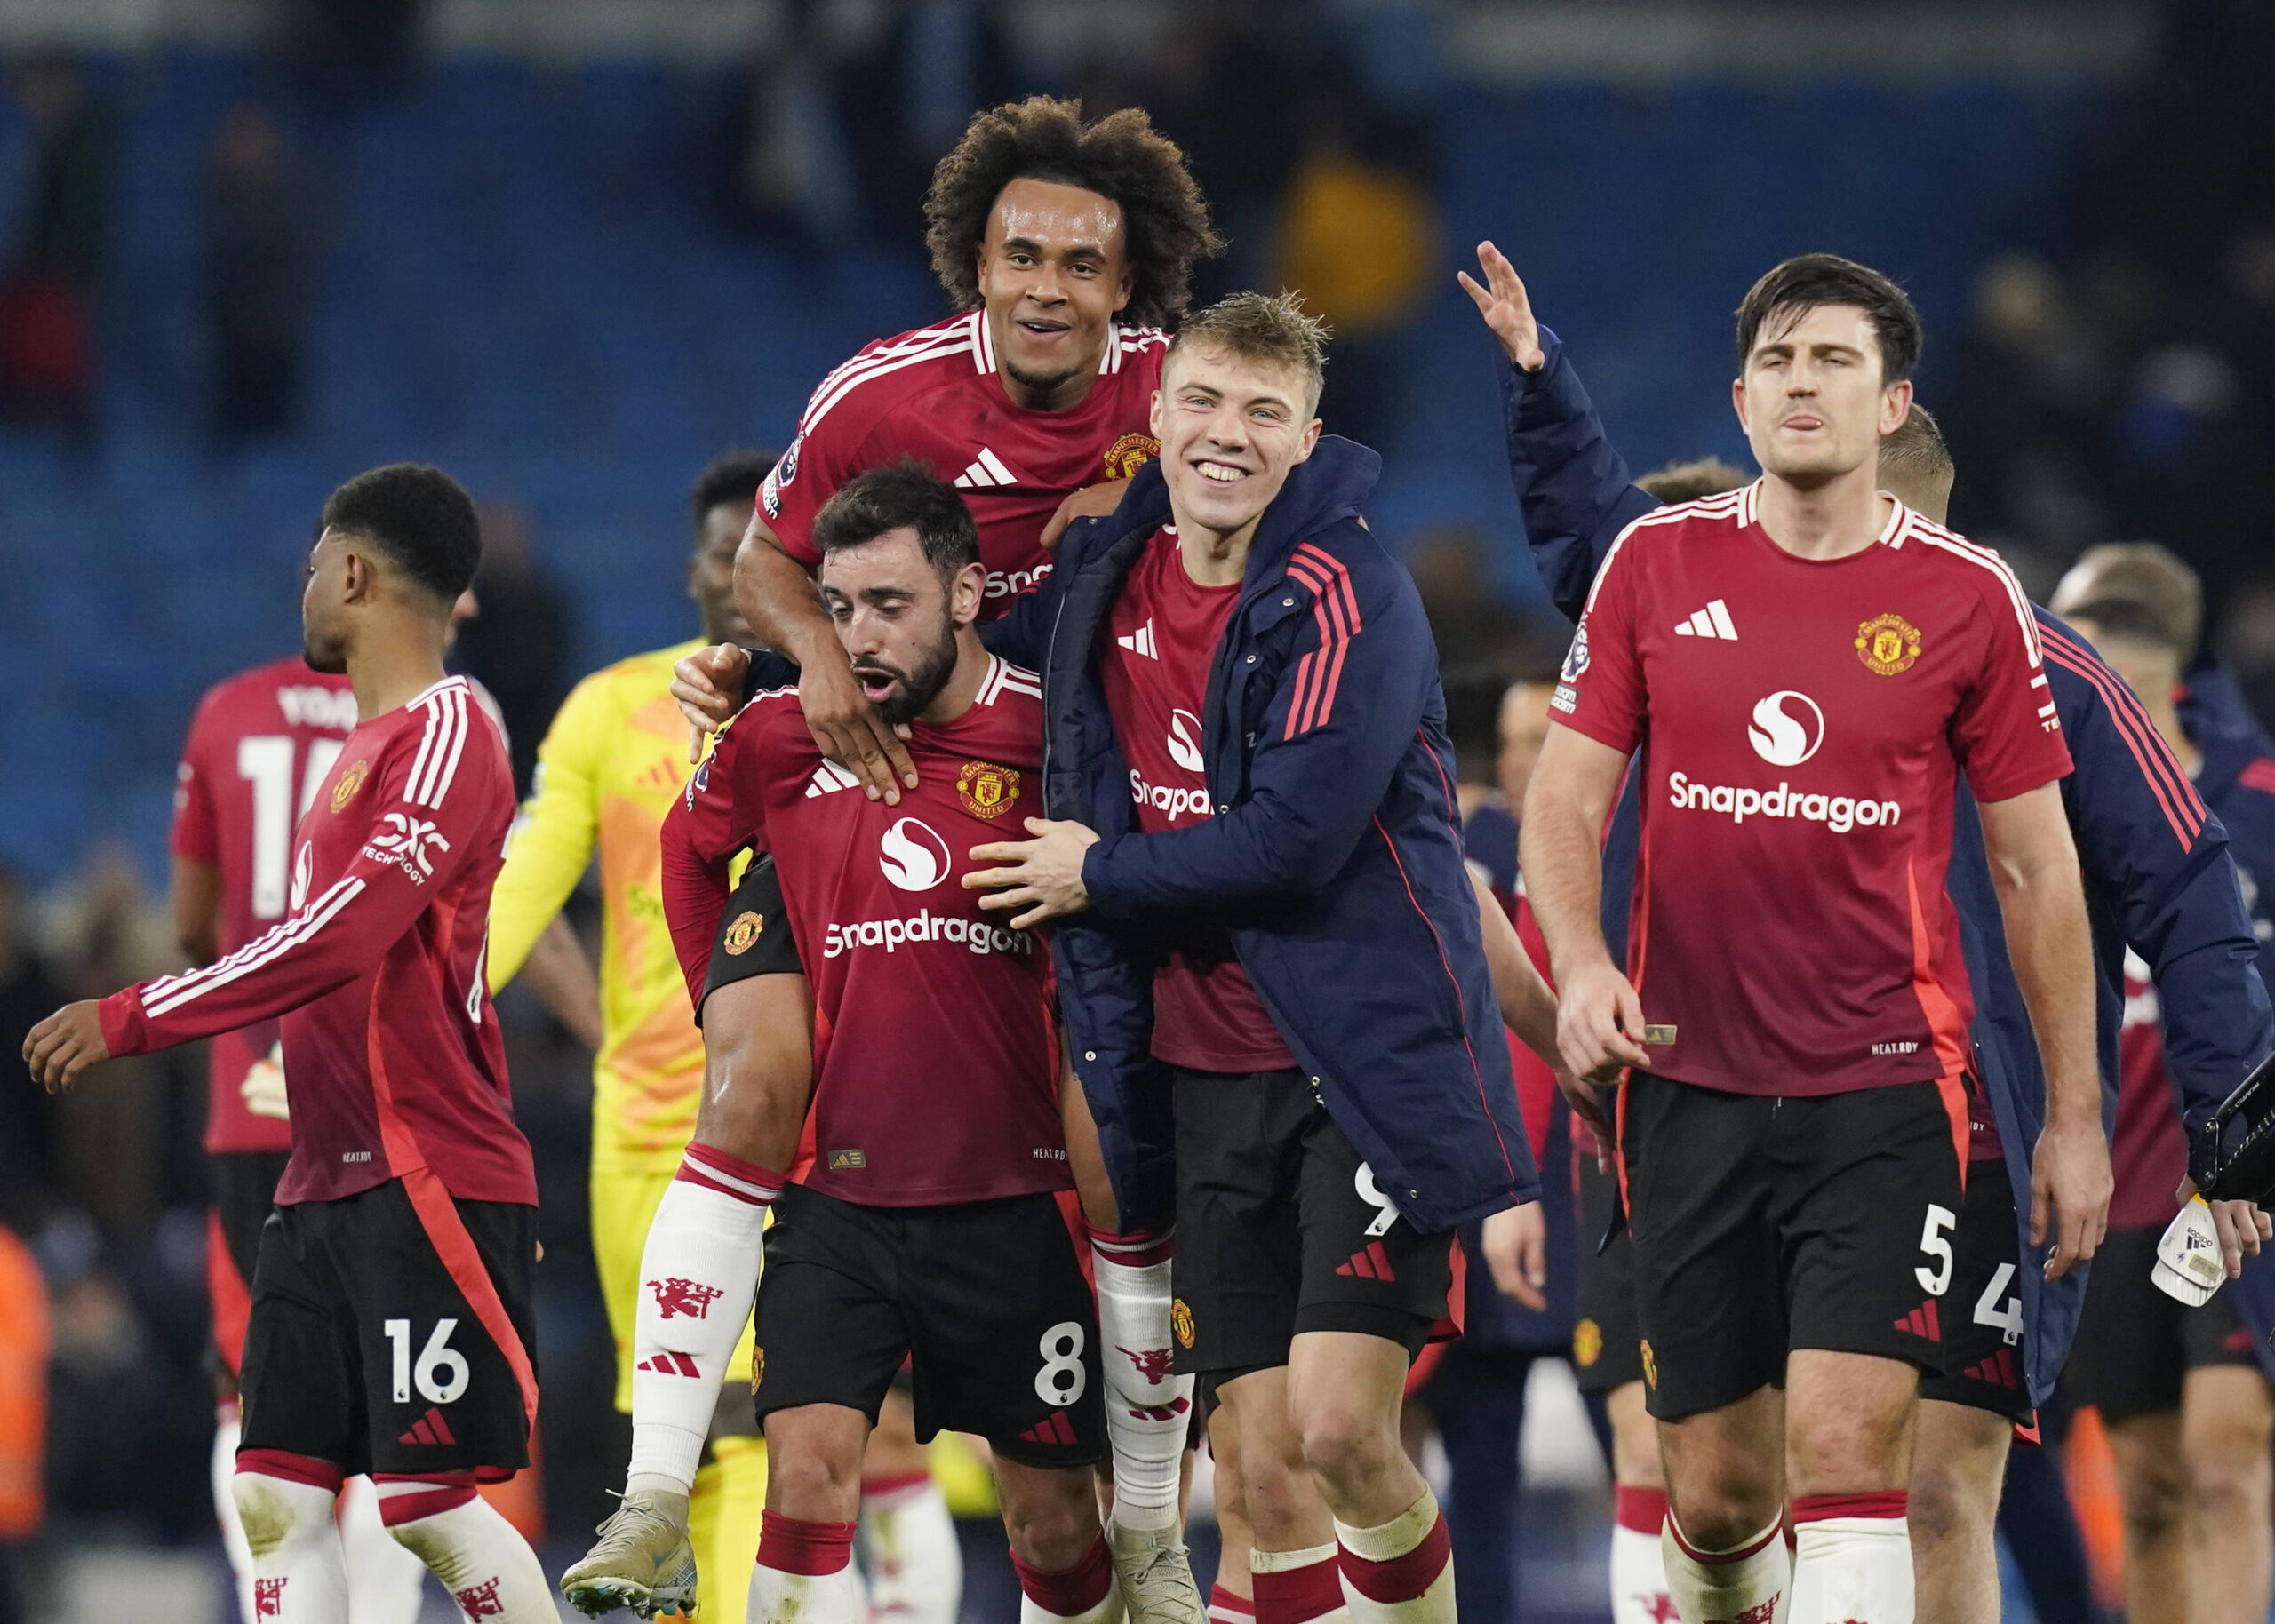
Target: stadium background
571	250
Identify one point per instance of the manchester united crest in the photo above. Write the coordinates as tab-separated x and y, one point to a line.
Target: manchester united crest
757	1369
350	780
987	790
1587	1343
1887	644
1181	1323
746	929
1131	453
1650	1368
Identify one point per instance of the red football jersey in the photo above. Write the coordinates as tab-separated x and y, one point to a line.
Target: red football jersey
934	394
2149	1152
1166	628
1803	725
391	1049
936	1062
259	745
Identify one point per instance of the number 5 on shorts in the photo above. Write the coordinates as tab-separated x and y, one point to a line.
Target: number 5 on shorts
1062	1380
440	1373
1937	1280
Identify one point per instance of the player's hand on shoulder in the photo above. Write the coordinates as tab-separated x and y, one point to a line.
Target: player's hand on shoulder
2070	1186
1506	307
848	731
1599	1022
1516	1250
66	1044
708	686
1090	502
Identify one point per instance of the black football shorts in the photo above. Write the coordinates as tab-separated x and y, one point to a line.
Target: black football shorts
984	1299
387	1339
1763	1223
245	1193
1607	1339
1982	1318
754	935
2136	1345
1280	1228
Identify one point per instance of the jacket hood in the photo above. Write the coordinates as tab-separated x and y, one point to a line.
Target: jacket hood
1331	485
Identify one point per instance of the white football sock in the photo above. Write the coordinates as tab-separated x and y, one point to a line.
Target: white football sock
698	1272
1400	1571
228	1423
1639	1572
909	1550
1148	1411
299	1575
805	1574
1746	1584
386	1583
482	1559
1852	1561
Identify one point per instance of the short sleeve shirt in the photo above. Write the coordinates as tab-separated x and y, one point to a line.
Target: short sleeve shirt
1803	724
936	394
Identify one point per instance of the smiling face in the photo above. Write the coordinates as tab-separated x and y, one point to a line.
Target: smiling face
1230	428
1811	398
899	620
1053	268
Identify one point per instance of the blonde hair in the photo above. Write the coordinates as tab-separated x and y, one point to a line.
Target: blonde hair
1687	482
1274	327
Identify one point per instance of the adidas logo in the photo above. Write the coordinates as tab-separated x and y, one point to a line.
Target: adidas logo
1141	641
1370	1263
428	1428
828	778
669	1364
1053	1428
986	473
1713	621
1998	1371
1921	1321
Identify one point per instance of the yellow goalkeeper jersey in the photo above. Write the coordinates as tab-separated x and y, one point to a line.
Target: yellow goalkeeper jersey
610	765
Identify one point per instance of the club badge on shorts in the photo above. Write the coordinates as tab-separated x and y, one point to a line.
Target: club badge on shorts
1181	1323
757	1369
746	929
1587	1343
1651	1365
1887	644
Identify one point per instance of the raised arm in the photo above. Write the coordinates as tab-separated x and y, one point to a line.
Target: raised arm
1572	485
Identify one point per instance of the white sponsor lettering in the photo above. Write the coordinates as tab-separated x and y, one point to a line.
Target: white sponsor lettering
406	842
1906	1046
1004	584
1838	813
1175	803
974	936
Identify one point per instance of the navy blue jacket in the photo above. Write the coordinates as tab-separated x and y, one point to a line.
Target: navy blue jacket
2158	872
1334	859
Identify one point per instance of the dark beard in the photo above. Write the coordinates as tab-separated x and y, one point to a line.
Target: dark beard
1046	386
332	661
919	688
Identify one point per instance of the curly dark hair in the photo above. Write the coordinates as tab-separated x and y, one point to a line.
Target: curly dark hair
1122	156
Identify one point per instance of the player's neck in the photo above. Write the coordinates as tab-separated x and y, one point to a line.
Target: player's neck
963	689
1212	557
1842	516
392	667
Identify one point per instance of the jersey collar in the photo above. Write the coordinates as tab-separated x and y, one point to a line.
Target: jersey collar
1891	534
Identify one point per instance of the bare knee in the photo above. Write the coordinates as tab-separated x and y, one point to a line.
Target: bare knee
2153	1495
1344	1444
1049	1516
1958	1463
814	1463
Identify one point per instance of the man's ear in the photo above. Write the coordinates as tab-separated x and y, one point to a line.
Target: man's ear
1310	441
966	593
359	578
